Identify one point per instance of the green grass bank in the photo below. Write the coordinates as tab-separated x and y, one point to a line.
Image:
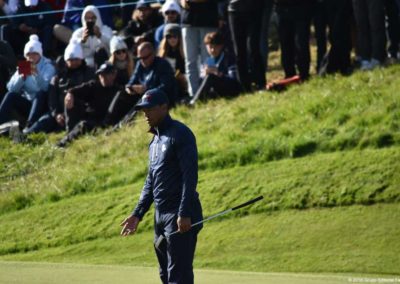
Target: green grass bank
324	154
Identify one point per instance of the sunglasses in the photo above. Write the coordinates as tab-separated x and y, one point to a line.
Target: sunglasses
145	57
170	36
171	13
121	51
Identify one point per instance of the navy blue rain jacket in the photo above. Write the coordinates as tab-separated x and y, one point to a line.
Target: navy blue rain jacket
172	178
159	75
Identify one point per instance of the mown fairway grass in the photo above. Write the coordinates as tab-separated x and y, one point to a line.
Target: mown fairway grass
325	155
47	273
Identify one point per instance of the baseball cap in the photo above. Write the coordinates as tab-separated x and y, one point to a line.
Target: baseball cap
152	98
105	68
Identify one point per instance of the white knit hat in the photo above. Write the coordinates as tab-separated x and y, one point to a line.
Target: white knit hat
117	43
33	45
31	3
170	5
73	51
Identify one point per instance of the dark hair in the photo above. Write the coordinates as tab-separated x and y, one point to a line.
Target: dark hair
214	38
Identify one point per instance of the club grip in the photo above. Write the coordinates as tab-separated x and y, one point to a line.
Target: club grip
248	202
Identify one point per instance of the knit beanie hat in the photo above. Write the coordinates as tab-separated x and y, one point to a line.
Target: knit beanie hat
172	29
170	5
73	51
29	3
117	43
33	45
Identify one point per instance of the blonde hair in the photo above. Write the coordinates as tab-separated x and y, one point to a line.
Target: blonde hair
130	64
164	48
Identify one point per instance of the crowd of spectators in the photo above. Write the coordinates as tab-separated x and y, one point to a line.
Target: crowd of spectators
76	65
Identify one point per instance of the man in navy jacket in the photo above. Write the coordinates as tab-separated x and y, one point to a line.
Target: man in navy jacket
171	184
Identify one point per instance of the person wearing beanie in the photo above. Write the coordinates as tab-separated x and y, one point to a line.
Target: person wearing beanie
171	12
122	59
94	37
171	49
22	27
75	73
27	88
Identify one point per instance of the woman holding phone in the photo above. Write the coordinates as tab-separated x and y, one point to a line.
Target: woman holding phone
28	86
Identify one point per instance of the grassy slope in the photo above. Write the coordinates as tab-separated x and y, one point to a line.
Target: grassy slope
327	143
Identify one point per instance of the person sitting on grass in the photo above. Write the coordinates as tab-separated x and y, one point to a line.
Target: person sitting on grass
27	88
76	72
86	106
219	71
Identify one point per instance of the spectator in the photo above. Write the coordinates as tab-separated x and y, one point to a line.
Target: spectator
71	20
86	105
7	8
339	17
171	12
122	60
142	26
265	26
393	29
294	20
370	26
199	17
39	24
171	49
94	37
219	71
320	20
245	19
8	62
75	73
152	72
27	90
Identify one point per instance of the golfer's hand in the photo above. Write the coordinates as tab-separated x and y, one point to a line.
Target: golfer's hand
184	224
130	225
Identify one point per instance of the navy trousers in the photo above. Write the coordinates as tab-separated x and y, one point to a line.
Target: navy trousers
29	110
175	255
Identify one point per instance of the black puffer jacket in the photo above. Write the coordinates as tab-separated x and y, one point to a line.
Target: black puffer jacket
67	79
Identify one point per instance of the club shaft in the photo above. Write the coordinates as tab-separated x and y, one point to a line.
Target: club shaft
223	212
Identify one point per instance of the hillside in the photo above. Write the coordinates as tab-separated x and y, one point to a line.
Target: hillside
324	154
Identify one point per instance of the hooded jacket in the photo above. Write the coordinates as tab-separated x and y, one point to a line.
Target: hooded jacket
93	42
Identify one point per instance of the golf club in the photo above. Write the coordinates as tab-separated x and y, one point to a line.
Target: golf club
161	238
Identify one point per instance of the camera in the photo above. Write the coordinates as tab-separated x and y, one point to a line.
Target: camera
90	27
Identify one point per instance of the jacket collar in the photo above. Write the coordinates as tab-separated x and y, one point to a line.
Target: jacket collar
165	124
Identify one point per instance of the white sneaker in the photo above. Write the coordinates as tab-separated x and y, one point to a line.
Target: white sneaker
5	127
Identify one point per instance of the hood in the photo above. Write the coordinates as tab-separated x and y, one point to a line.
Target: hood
94	10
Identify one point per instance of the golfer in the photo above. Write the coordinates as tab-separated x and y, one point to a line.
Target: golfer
171	184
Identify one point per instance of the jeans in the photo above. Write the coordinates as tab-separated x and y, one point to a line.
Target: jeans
29	110
370	23
194	47
223	86
46	123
